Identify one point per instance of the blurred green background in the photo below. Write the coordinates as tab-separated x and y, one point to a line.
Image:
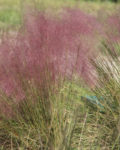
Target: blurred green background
10	10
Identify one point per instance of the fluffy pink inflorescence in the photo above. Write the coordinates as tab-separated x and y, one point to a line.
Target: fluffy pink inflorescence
62	46
112	32
114	26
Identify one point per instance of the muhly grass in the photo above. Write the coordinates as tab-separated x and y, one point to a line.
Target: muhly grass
64	42
44	70
109	121
105	125
37	65
99	127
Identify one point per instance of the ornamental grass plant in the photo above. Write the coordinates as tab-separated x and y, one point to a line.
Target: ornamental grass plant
37	111
98	126
45	69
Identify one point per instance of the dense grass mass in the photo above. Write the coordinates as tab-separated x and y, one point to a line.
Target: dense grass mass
59	76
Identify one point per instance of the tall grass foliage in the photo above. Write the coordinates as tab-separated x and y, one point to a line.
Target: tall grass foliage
98	124
34	65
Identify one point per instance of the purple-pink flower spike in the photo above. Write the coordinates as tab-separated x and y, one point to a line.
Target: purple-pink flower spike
63	45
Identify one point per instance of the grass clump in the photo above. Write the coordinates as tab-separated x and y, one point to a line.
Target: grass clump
46	71
37	64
